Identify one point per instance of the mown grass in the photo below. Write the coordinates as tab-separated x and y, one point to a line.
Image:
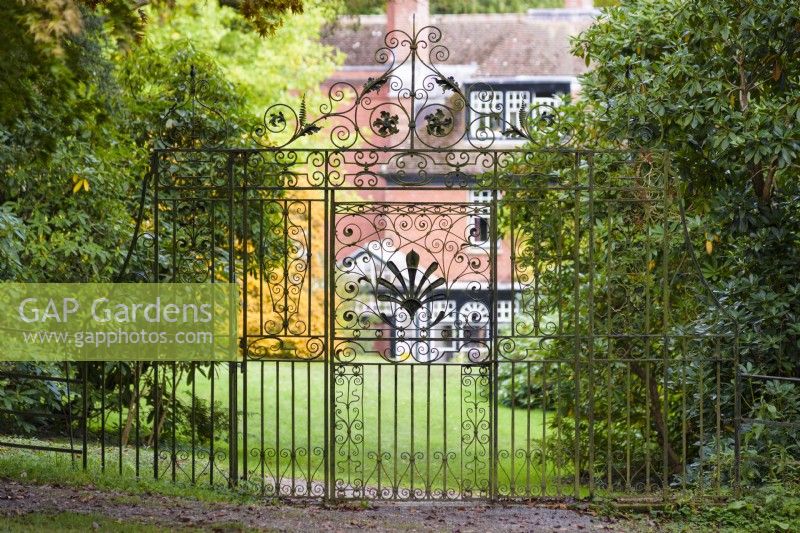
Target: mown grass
38	467
437	415
67	521
425	427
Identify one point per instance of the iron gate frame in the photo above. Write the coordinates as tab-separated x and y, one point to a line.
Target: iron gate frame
237	195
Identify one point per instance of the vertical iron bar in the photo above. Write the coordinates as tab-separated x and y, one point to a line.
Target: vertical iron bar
665	326
718	414
647	354
156	417
513	471
428	480
212	366
396	481
193	370
233	401
244	340
293	449
119	414
493	346
684	422
528	455
173	279
137	396
311	322
278	477
609	331
85	416
174	421
212	371
413	91
701	426
379	456
737	416
330	359
577	321
590	312
103	416
413	448
628	440
308	417
445	464
262	455
156	275
260	261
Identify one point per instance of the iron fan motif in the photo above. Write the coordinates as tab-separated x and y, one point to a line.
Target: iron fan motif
407	292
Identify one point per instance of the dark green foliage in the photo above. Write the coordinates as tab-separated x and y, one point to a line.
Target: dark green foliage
755	275
771	509
715	84
77	128
48	399
763	243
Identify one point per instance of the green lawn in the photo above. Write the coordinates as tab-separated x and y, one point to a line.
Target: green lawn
411	426
68	521
398	428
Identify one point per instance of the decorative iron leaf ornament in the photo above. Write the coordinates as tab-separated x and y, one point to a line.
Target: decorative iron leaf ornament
374	85
305	129
308	129
407	292
513	131
438	124
277	119
386	124
447	84
302	115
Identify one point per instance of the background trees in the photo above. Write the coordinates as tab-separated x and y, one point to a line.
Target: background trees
717	84
89	84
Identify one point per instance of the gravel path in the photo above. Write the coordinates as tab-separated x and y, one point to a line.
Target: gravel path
20	499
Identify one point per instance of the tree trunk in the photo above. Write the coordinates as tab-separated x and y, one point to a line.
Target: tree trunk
762	179
657	415
159	425
133	408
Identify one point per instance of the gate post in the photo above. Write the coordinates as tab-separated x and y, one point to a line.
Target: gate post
494	351
233	430
329	257
84	416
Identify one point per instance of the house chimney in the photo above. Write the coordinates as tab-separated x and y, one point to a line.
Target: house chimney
578	4
405	14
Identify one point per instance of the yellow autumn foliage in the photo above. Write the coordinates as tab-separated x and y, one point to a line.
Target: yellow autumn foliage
286	304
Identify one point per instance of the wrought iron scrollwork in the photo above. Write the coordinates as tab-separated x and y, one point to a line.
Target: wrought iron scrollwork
475	426
192	121
349	430
411	296
406	267
411	104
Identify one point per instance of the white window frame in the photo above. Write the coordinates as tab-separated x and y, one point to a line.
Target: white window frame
482	111
504	311
508	105
481	196
516	102
449	308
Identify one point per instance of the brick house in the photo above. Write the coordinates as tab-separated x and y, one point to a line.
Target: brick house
525	59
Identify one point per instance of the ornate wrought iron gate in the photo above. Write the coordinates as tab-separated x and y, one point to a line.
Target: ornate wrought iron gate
421	312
